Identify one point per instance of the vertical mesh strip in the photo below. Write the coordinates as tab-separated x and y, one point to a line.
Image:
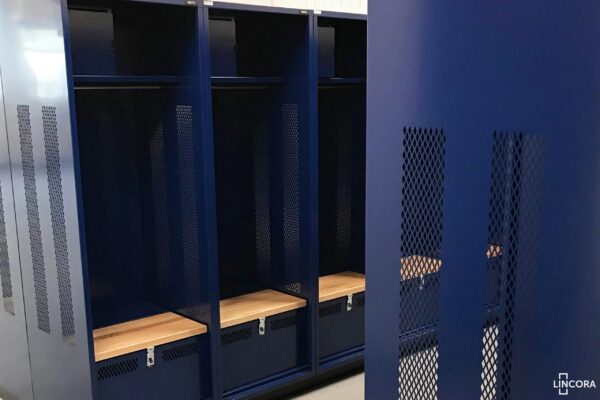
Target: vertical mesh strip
33	219
262	204
291	193
344	195
159	204
57	213
187	182
421	247
5	278
516	183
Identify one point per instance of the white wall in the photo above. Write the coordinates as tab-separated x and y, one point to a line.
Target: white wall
349	6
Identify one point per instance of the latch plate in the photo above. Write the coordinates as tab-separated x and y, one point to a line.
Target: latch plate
261	326
150	357
349	303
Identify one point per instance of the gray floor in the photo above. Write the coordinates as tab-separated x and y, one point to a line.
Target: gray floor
351	388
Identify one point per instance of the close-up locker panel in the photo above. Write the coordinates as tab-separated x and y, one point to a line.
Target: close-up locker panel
341	127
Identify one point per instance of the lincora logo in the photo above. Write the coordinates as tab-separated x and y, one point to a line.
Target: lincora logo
564	384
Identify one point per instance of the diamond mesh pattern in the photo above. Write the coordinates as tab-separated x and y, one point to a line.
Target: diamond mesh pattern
516	184
235	336
291	192
421	246
418	370
57	214
327	310
5	277
118	368
284	322
181	351
33	219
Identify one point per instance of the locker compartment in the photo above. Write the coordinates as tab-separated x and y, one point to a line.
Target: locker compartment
131	38
342	48
341	215
259	99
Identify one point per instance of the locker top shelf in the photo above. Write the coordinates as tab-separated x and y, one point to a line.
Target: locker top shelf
253	306
117	340
340	285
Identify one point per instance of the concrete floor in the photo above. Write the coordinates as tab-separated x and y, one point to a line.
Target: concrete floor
351	388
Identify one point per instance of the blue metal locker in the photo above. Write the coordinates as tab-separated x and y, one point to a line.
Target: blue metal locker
482	199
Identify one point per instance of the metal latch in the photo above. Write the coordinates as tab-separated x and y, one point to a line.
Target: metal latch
261	326
150	357
422	282
349	303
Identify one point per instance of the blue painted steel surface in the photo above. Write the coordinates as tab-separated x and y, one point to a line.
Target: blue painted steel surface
473	69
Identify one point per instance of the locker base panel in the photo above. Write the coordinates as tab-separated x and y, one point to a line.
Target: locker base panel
341	325
176	373
249	356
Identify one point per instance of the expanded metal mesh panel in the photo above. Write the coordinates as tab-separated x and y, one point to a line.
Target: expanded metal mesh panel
5	276
516	184
158	169
235	336
117	369
187	183
327	310
33	219
418	370
287	321
180	351
421	247
57	214
290	131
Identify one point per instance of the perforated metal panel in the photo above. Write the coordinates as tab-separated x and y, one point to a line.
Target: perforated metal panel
57	213
160	210
343	193
5	276
516	183
421	248
33	219
262	203
284	322
188	199
290	131
235	336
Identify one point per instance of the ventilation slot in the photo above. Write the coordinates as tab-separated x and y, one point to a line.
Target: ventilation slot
238	335
515	193
33	219
5	278
343	193
187	182
421	247
330	309
291	192
57	213
182	351
117	369
284	322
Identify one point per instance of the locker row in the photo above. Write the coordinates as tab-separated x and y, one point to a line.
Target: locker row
217	162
